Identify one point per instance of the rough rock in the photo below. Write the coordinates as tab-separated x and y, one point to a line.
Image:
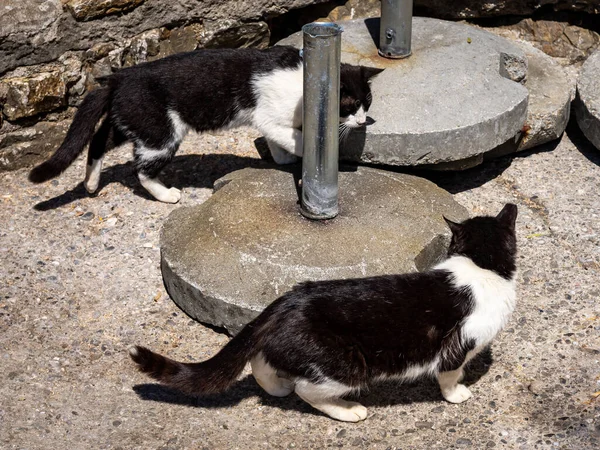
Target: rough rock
28	146
460	94
37	31
227	259
587	106
32	95
463	9
92	9
557	38
550	95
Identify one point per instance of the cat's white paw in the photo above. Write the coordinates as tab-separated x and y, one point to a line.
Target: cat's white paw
459	394
350	412
172	195
284	157
91	185
92	176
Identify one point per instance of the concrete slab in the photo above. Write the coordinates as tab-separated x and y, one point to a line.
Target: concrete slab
225	260
458	96
587	107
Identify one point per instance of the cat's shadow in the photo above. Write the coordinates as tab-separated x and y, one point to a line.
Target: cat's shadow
385	393
199	171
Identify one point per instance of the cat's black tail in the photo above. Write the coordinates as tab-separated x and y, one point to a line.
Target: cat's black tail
93	107
208	377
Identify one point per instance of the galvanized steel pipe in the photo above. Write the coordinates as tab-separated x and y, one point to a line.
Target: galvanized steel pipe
395	28
321	118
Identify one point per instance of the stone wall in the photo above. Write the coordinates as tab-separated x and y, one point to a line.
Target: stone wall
52	51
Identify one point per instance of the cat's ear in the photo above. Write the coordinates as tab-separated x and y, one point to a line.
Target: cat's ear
370	72
508	215
454	227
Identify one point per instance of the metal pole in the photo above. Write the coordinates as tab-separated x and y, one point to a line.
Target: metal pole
396	28
321	119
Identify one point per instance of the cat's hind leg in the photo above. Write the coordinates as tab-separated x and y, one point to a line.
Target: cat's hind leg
325	396
452	390
149	163
105	139
267	378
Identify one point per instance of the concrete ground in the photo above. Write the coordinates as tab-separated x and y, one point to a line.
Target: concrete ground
80	282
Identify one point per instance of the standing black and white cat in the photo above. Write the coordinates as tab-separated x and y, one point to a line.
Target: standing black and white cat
155	104
326	339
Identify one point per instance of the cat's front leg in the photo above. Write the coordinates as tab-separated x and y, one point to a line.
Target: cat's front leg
283	139
280	156
451	389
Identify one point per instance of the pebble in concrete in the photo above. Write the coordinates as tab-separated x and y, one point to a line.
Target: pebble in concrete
587	108
225	260
458	96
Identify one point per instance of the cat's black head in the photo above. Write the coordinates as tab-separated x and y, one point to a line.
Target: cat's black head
490	242
355	94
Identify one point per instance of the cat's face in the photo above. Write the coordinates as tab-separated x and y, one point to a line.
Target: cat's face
355	94
490	242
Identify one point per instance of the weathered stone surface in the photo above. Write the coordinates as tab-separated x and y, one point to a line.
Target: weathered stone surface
31	145
37	31
225	260
556	38
28	96
587	107
457	97
227	33
92	9
463	9
550	95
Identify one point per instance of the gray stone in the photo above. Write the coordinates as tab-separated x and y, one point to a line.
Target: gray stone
31	145
451	100
227	259
31	95
556	38
550	95
92	9
463	9
37	31
587	107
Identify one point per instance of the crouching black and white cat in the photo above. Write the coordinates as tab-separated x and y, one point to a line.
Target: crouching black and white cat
326	339
155	104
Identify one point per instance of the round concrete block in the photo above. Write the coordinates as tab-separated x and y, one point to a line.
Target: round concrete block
459	95
223	261
587	107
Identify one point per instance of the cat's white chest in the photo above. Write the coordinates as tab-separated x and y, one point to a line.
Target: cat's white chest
493	297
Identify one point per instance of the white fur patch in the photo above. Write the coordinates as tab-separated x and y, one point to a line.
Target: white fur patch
158	190
278	112
145	153
355	120
494	298
179	127
92	176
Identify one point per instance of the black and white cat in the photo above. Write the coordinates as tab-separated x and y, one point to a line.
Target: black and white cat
326	339
155	104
